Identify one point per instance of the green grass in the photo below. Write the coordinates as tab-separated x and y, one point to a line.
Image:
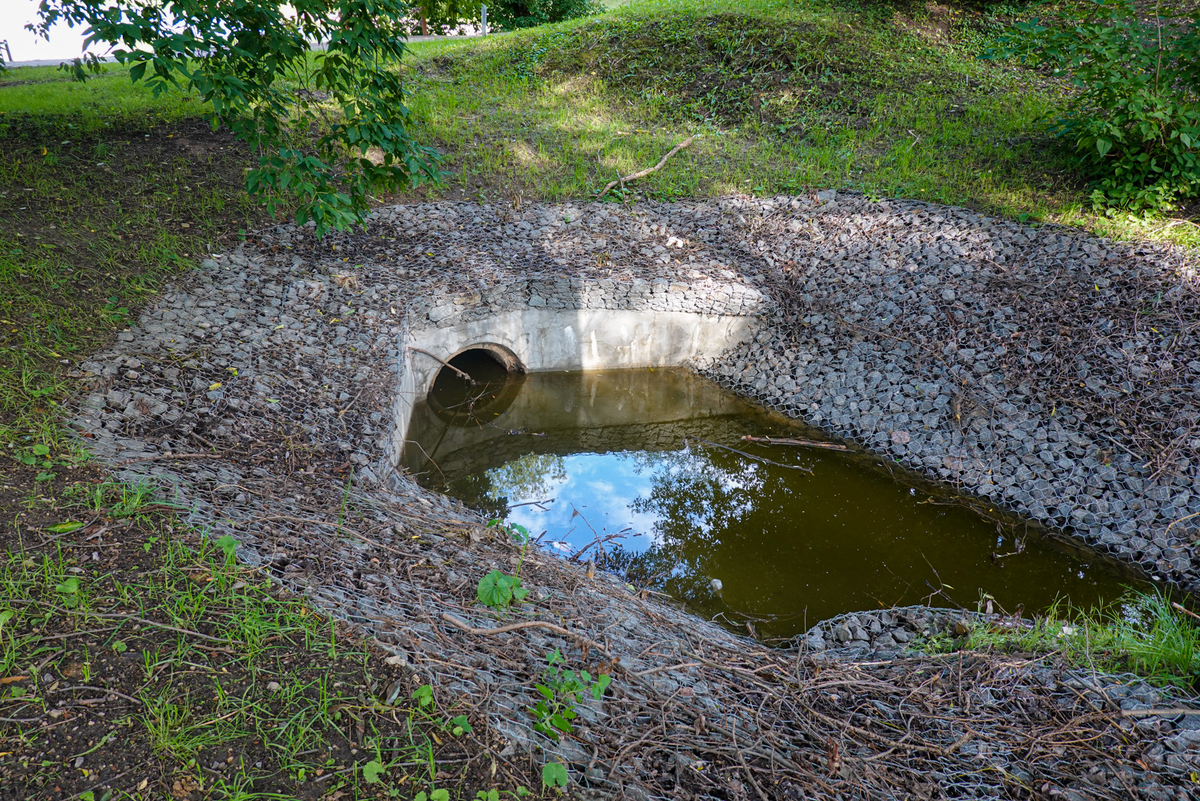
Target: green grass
782	97
201	658
49	99
1143	633
106	193
101	203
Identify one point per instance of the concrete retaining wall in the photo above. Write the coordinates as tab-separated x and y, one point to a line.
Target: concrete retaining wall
560	324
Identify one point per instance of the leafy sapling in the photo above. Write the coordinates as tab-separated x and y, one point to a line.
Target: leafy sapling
498	589
560	691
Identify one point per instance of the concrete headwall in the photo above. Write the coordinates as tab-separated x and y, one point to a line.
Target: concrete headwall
635	410
560	324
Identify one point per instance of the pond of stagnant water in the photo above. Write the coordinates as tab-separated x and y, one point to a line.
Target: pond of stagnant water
646	472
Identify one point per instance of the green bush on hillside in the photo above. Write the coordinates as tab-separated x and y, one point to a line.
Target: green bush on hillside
1136	119
511	14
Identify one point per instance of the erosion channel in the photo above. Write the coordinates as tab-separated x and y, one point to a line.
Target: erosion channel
647	473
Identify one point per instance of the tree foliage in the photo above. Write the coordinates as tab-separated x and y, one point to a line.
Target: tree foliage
512	14
444	16
1135	120
328	124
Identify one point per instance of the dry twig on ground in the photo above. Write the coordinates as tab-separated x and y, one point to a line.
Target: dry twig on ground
643	173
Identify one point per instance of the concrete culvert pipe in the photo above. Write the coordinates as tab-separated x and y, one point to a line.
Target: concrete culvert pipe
476	385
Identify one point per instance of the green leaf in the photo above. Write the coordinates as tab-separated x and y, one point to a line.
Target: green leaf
423	695
228	545
601	685
372	771
495	590
68	587
554	774
40	450
65	527
1103	146
439	795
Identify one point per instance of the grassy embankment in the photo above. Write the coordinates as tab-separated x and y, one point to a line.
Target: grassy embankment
136	659
782	96
106	192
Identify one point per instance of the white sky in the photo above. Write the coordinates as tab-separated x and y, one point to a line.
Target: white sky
65	43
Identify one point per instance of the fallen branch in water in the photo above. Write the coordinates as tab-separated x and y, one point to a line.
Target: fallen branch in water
804	443
750	455
643	173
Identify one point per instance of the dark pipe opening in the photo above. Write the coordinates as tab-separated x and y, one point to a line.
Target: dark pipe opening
491	382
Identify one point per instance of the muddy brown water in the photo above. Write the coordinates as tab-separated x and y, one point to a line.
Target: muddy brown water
646	472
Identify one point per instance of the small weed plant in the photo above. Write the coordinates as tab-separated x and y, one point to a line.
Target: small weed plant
496	795
498	589
561	689
1135	122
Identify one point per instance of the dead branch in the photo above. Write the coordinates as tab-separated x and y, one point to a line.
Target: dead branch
526	624
643	173
804	443
171	456
1167	713
444	363
751	456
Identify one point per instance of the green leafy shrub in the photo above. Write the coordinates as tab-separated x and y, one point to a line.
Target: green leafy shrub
511	14
1135	121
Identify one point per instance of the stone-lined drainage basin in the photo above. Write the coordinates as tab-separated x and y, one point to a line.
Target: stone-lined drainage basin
645	471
